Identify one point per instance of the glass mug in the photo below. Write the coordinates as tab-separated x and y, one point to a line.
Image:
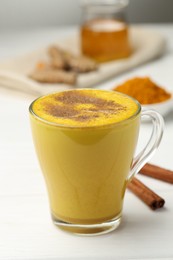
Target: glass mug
87	169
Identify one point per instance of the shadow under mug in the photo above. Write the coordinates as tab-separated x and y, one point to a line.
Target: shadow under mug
87	169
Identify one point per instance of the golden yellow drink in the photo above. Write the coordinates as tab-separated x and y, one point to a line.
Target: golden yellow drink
85	141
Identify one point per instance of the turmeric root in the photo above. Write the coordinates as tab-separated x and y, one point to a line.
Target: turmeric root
54	76
66	60
80	64
57	58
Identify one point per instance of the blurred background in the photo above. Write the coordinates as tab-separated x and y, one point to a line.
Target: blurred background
21	14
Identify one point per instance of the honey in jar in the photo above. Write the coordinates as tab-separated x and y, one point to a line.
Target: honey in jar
104	33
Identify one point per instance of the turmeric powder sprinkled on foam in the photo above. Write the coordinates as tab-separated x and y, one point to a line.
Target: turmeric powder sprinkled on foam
144	90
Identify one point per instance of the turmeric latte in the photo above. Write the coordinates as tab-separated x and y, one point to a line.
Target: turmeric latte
81	108
84	164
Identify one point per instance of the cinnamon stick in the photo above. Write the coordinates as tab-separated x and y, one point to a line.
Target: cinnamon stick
149	197
157	173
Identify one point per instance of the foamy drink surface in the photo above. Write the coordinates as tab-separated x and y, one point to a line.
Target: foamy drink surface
85	107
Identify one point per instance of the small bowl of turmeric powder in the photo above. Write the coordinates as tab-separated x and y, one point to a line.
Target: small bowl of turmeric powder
148	93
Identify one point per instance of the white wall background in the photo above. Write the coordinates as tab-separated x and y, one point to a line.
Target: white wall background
16	14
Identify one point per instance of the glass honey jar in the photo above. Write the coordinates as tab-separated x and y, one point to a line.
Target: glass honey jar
104	30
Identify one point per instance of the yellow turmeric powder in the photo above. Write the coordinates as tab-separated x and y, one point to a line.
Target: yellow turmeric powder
144	90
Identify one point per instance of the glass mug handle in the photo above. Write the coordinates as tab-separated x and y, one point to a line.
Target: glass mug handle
144	156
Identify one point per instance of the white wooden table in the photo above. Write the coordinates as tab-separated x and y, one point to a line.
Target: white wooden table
26	230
